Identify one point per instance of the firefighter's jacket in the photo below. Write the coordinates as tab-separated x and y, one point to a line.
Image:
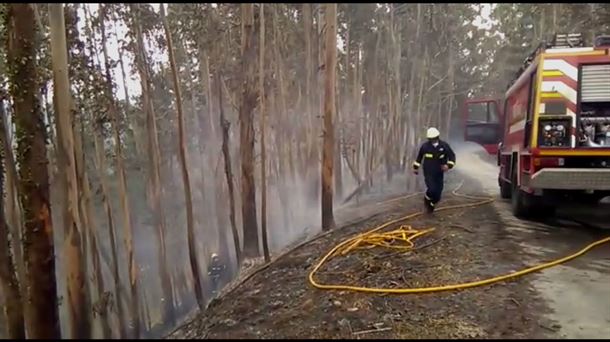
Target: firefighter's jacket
433	157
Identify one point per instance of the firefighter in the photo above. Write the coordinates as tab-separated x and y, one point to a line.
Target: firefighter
215	270
437	158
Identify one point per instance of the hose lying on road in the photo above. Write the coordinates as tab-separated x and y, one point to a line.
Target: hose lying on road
406	234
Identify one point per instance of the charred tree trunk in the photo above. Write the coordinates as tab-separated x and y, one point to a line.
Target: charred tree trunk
225	125
246	133
185	173
41	314
8	277
328	221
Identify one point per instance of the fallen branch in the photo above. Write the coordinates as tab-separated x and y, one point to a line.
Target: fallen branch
372	331
363	184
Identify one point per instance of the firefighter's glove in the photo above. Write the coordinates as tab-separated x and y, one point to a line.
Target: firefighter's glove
416	166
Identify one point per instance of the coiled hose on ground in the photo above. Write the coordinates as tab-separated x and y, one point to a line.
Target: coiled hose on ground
405	235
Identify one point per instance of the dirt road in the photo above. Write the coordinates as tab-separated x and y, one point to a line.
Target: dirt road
577	293
472	244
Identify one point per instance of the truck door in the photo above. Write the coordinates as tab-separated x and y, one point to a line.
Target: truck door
483	123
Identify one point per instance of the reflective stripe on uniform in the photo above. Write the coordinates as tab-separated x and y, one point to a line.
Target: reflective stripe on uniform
416	164
450	163
441	156
429	155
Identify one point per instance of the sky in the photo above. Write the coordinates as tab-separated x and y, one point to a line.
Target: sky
156	55
484	20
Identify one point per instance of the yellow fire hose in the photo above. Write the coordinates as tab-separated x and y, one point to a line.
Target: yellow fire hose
406	235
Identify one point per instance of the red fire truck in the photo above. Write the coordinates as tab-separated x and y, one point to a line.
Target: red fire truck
551	129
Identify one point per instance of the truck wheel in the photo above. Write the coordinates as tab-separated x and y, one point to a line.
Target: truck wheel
505	189
521	203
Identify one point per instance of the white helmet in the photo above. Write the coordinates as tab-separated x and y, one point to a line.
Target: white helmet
432	133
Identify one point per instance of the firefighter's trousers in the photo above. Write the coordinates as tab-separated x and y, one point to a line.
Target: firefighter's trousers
434	185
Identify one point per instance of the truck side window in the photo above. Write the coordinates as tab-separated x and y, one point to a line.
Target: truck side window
492	112
531	105
531	102
508	115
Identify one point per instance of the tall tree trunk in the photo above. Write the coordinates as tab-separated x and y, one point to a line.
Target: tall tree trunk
451	86
307	28
41	313
286	176
133	122
554	17
310	97
77	296
86	211
338	176
134	305
328	221
155	182
13	210
246	132
101	167
204	71
190	225
206	130
8	277
397	105
358	113
225	125
262	110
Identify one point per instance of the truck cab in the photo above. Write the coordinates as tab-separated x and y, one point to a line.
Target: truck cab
551	129
483	122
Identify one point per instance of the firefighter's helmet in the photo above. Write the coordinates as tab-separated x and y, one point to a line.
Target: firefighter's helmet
433	133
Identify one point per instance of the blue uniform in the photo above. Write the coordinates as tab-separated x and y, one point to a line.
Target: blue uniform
431	158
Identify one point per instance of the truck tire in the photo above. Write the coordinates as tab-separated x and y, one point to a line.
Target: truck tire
520	200
505	189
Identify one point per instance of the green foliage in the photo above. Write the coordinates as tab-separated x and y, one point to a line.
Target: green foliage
524	26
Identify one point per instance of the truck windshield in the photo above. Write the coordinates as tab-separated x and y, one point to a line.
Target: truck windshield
483	112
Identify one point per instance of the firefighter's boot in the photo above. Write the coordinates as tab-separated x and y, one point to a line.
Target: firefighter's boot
429	205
